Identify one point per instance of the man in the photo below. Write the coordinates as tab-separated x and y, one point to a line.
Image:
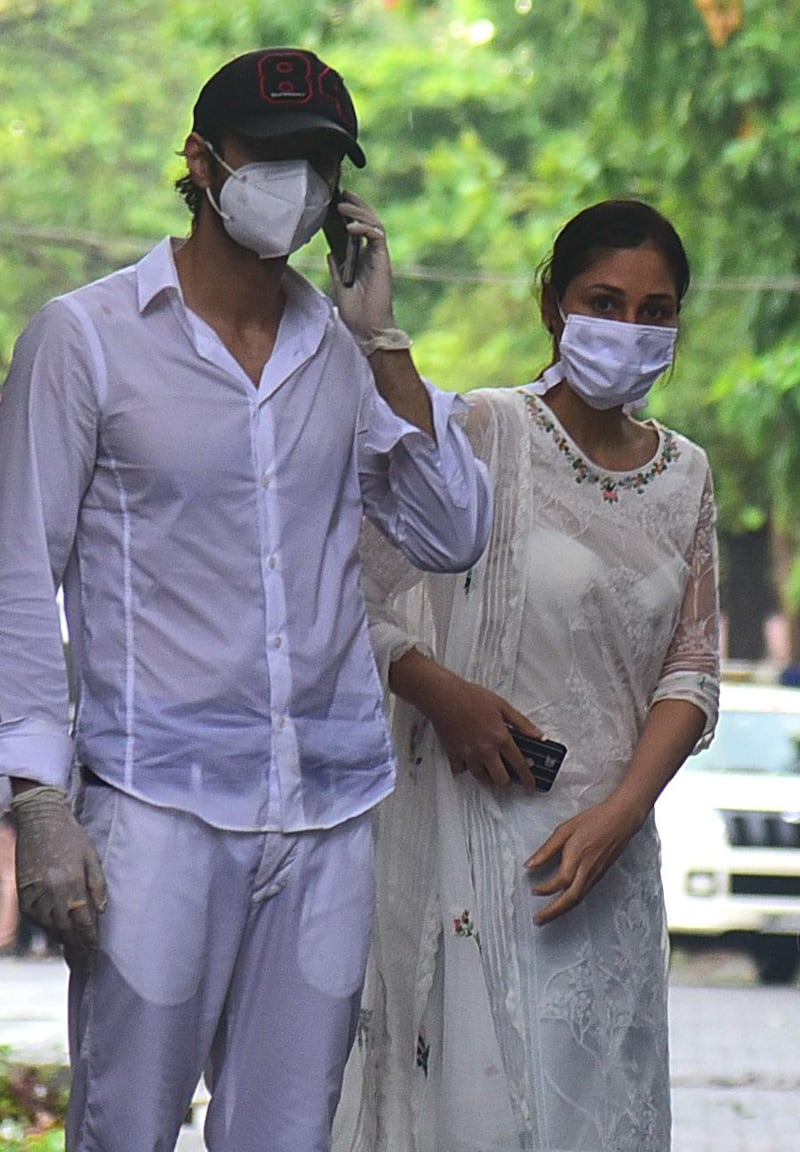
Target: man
188	446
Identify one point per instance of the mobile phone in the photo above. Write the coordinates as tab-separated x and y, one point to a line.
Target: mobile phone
344	247
544	756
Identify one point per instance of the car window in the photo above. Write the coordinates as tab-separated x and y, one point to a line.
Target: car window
752	742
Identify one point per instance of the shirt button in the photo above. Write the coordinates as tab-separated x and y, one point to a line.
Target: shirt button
272	562
265	479
280	723
277	642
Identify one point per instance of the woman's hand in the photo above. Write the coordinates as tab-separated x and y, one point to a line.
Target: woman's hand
472	726
470	721
590	842
588	845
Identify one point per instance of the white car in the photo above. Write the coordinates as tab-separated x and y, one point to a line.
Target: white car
730	831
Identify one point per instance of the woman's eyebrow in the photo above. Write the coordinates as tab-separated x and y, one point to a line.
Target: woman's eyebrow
606	288
615	290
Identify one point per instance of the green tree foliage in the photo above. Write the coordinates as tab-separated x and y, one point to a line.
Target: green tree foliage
487	123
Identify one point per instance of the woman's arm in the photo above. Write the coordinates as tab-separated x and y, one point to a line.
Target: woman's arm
590	842
682	714
470	721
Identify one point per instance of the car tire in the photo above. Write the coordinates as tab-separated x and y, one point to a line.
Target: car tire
777	958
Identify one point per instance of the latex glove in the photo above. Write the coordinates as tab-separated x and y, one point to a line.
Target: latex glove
366	306
59	877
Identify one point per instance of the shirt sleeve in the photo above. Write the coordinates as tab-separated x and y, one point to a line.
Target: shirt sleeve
431	498
47	445
691	667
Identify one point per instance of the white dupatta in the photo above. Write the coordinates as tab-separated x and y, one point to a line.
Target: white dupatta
428	831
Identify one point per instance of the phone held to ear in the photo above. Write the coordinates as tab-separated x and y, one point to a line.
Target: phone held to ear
544	756
345	248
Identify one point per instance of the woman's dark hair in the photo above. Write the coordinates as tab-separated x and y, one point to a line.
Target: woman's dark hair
603	227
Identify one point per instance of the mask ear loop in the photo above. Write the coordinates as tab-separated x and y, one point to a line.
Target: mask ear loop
231	172
222	215
219	160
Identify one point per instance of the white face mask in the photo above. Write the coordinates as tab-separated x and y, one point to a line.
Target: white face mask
273	207
611	363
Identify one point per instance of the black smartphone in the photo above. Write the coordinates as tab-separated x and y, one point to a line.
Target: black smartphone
545	758
343	246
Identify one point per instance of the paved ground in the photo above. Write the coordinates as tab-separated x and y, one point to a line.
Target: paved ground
735	1058
33	1001
735	1050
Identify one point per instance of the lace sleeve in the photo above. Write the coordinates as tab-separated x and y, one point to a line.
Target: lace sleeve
691	667
386	576
478	425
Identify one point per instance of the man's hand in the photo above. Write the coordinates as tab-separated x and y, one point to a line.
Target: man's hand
366	306
59	877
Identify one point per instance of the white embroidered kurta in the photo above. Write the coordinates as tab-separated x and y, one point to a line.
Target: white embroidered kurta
597	596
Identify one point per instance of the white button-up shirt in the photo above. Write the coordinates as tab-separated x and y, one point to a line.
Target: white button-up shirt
206	534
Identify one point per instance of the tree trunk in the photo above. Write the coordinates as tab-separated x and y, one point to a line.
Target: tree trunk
747	591
784	554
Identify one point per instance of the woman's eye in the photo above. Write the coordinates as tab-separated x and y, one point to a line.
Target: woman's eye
659	314
602	304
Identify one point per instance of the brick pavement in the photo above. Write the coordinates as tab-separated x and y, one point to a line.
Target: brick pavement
735	1069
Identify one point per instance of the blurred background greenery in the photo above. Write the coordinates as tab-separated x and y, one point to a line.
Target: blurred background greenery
487	123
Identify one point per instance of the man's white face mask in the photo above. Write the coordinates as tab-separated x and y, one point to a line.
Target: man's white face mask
273	207
611	363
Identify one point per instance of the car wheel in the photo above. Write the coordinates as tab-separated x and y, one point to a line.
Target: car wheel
777	958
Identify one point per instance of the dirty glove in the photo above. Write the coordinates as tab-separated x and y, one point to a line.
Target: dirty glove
59	877
366	306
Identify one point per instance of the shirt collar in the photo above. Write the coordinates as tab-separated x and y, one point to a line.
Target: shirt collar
156	272
306	306
307	317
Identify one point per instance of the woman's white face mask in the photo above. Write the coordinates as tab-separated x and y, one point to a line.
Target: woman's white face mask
610	362
273	207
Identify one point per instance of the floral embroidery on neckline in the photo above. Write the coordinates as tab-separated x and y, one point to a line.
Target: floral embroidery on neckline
609	483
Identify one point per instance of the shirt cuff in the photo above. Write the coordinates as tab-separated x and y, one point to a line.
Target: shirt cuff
387	429
390	642
446	453
36	750
698	688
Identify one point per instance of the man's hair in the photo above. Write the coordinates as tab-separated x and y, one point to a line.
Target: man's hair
188	191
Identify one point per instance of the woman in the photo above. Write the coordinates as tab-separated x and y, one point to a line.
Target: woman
518	992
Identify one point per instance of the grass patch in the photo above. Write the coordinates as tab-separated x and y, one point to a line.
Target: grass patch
33	1105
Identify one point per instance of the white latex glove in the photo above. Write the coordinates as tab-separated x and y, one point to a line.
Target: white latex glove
366	306
59	877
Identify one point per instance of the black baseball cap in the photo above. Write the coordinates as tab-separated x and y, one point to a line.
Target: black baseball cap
277	92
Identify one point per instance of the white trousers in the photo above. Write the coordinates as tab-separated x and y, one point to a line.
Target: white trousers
238	954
